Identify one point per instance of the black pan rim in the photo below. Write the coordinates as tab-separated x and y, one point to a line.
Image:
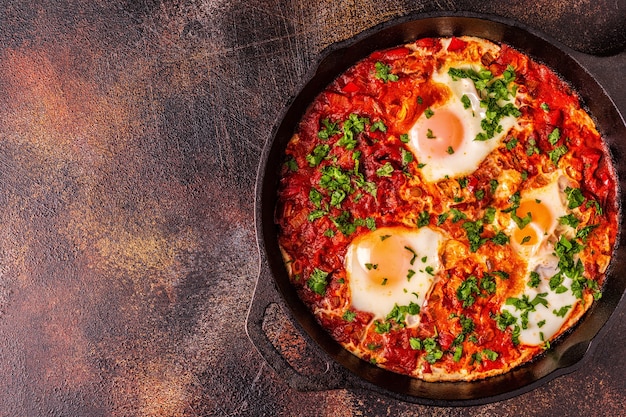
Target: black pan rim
415	390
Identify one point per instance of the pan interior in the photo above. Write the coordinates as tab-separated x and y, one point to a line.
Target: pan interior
567	354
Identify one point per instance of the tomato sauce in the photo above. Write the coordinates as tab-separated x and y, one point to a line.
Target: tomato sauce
332	191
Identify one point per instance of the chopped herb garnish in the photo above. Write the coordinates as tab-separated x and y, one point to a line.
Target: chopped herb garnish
554	136
317	281
379	125
569	220
291	165
562	311
490	354
423	219
349	315
458	352
500	238
488	283
511	143
594	203
329	129
467	291
556	154
442	218
404	138
490	215
407	157
535	280
457	215
415	343
501	274
429	113
398	313
493	186
575	197
583	233
531	147
412	252
385	170
383	72
466	101
474	231
381	327
319	153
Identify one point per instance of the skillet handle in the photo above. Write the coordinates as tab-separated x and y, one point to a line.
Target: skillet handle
266	294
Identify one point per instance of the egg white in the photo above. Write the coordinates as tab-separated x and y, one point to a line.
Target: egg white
543	323
467	157
398	250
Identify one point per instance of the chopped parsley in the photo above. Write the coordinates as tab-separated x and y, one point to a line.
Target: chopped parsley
493	91
511	143
291	164
457	215
562	311
407	157
329	129
554	136
583	233
556	154
423	219
466	101
569	220
385	170
319	153
349	315
383	72
474	230
398	313
467	291
493	185
531	147
575	197
317	281
379	125
381	327
535	280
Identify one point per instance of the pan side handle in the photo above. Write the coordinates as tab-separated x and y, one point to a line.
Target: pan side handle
265	295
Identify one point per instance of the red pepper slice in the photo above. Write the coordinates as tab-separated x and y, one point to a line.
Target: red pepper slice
456	44
350	87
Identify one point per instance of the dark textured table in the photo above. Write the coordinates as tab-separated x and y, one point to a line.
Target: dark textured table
130	137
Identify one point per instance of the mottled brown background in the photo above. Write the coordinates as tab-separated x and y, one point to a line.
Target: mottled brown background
130	134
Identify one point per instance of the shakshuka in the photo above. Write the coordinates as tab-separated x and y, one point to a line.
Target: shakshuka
447	209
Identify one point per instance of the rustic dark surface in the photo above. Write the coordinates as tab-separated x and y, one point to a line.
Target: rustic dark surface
130	137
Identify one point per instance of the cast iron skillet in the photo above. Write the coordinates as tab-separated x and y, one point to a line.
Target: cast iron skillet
344	370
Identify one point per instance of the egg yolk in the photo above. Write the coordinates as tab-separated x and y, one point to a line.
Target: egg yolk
385	258
541	222
441	134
